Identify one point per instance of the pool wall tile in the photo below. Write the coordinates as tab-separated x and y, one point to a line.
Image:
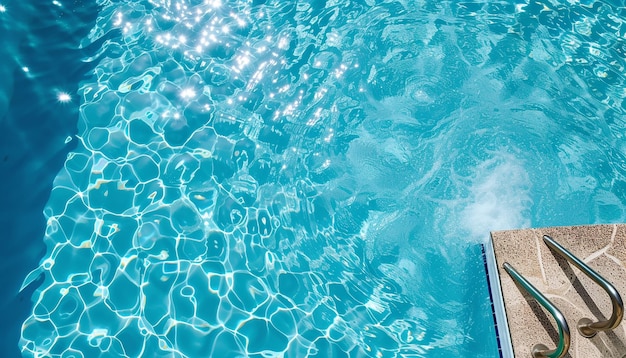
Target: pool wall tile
602	247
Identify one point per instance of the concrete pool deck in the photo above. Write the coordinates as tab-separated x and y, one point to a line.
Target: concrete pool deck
601	247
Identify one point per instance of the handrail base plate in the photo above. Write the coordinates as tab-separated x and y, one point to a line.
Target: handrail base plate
539	350
584	330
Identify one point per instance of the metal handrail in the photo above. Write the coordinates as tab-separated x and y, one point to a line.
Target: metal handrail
586	326
540	350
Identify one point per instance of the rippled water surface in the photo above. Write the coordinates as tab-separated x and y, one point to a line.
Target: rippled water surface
282	178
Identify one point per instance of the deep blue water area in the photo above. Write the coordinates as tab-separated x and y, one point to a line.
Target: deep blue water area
40	60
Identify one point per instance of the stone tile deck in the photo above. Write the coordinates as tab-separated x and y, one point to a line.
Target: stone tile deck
601	247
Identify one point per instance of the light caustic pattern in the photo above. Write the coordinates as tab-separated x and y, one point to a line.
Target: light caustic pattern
171	228
300	179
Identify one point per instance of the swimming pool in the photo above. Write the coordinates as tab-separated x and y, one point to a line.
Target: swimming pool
258	178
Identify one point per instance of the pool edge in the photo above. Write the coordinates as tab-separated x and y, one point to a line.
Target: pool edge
503	336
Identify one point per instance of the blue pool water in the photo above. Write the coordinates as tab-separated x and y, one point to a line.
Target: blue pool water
39	58
271	178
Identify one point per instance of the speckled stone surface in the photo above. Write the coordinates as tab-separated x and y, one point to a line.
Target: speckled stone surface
601	247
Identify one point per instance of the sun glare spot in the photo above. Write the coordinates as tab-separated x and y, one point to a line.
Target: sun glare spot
118	19
283	42
3	8
64	97
240	21
188	93
215	3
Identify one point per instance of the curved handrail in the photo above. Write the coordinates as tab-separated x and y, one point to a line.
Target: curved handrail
586	326
540	350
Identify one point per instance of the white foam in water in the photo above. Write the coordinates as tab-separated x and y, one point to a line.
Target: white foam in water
500	197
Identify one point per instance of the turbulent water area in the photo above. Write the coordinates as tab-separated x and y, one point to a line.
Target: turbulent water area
284	178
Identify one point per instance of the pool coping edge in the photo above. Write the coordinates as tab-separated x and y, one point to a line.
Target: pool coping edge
505	344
